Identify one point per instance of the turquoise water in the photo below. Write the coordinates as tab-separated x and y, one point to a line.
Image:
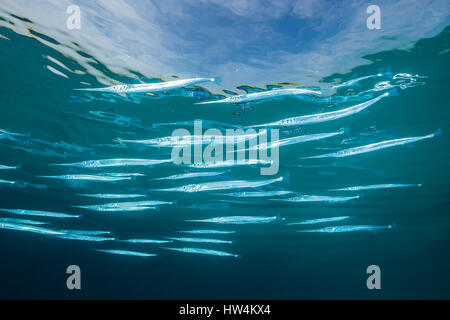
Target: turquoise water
45	122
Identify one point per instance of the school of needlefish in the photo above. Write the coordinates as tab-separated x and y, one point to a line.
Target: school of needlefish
216	231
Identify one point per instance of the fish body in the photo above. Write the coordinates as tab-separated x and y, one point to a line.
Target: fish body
200	240
22	221
323	117
297	139
192	175
110	177
263	95
208	232
145	241
320	220
151	87
41	213
312	198
29	228
86	232
104	163
230	163
125	206
374	146
127	253
257	194
222	185
81	237
204	251
378	186
349	228
178	141
238	220
113	196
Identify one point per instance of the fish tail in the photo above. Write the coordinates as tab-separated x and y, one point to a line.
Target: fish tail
344	129
217	80
438	132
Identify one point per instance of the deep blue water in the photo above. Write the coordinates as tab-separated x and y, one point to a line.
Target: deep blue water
45	122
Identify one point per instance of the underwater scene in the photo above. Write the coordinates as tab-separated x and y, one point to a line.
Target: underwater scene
224	150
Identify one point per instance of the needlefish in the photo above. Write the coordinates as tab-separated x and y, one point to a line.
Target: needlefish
263	95
152	87
221	185
374	146
323	117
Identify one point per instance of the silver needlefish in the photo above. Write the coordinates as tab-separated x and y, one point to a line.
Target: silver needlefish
378	186
320	220
323	117
263	95
113	196
230	163
222	185
200	240
350	83
192	175
152	87
145	241
310	198
82	237
110	177
206	231
297	139
104	163
88	177
41	213
127	253
125	206
29	228
374	146
3	167
204	251
22	221
238	220
349	228
174	141
257	194
87	232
